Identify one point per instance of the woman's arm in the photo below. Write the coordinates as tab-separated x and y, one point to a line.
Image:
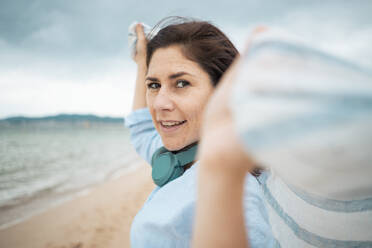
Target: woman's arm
139	100
223	167
143	134
219	218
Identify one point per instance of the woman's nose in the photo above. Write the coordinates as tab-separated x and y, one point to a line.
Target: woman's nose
163	101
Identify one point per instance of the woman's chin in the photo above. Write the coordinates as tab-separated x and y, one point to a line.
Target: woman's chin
173	147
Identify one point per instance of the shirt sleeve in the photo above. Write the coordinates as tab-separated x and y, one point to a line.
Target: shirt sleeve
255	214
143	135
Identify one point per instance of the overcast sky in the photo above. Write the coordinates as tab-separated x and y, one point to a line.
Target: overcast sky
72	56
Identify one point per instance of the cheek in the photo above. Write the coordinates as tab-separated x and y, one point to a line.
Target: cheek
150	106
195	114
150	102
148	98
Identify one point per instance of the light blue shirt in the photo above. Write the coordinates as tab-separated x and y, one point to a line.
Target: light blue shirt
167	216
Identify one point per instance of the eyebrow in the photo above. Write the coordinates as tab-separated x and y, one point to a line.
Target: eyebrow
172	76
178	74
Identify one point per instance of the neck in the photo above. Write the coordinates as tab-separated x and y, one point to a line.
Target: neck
186	167
185	148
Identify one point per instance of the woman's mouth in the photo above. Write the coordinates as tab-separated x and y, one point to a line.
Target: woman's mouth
170	126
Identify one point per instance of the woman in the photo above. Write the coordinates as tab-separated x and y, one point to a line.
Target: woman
178	70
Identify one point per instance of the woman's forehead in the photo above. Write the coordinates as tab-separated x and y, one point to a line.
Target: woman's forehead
170	60
172	71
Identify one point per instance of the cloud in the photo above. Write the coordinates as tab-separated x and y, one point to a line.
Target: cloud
71	55
109	93
347	34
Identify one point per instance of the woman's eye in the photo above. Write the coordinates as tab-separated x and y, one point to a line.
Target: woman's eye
153	85
182	83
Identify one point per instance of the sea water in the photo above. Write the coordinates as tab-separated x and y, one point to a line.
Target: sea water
44	164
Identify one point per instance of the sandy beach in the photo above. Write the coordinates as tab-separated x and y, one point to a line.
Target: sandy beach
101	218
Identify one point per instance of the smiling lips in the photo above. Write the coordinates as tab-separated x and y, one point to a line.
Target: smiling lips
170	126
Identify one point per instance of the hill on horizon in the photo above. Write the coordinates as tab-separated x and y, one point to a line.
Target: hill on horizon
62	118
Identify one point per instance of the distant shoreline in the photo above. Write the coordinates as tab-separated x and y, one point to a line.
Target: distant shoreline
61	118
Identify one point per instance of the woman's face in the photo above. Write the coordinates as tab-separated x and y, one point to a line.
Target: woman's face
177	91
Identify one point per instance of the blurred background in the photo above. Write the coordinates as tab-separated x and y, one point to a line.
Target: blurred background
72	57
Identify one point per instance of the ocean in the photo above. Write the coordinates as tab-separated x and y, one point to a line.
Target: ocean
43	165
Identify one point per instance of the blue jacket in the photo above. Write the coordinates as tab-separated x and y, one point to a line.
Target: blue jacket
167	216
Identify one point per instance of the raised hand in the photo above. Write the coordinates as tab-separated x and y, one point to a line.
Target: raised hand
141	45
139	100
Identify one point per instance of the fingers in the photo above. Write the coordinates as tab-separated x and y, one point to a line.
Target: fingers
257	31
140	55
140	32
260	29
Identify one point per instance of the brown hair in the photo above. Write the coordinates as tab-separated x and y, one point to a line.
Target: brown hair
201	42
